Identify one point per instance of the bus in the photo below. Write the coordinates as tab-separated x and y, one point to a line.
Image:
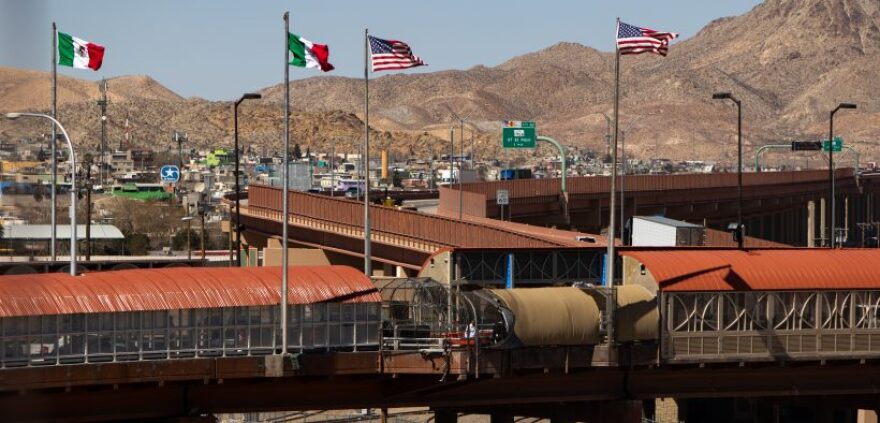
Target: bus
142	192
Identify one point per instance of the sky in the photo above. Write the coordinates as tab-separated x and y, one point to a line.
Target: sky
218	49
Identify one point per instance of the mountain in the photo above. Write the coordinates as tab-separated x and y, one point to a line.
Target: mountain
789	62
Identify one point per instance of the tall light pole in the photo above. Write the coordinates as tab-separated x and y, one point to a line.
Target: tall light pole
103	104
831	165
72	183
247	96
740	234
461	121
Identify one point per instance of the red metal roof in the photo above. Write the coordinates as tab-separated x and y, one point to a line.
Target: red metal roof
178	288
762	270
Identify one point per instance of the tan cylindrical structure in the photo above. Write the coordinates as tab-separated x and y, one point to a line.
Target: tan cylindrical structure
637	316
384	165
552	316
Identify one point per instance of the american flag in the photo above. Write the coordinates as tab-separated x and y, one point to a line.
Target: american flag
390	54
635	40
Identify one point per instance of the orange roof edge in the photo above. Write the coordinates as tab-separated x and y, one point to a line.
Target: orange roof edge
178	288
761	270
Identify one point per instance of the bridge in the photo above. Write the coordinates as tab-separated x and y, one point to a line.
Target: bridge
775	207
778	206
401	239
793	327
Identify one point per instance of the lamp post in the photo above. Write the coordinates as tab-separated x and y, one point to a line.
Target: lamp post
247	96
72	183
831	165
740	235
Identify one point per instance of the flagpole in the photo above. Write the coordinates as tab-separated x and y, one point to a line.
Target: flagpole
286	195
609	260
54	153
368	268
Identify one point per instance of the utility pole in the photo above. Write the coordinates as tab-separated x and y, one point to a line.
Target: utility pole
103	103
88	188
180	138
202	212
332	167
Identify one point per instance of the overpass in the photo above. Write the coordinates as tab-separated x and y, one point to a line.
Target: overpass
402	239
775	203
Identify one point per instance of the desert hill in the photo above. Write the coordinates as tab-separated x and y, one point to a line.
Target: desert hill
789	61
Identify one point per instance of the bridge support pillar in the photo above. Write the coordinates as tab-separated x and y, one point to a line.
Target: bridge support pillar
665	410
445	416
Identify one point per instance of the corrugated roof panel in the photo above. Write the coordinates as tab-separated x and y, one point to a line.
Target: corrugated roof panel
762	270
177	288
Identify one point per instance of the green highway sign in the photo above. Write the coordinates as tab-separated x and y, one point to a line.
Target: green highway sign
838	144
518	134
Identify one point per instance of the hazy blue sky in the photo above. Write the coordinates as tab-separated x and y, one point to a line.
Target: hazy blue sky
217	49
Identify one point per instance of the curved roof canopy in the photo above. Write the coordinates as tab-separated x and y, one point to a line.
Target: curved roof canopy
178	288
761	270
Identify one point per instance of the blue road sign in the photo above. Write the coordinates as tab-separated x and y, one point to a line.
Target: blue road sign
170	173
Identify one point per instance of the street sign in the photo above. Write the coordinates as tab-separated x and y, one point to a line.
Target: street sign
518	134
806	145
838	144
502	198
170	173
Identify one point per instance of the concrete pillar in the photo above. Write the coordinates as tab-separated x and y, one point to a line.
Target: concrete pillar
867	416
500	418
666	410
445	416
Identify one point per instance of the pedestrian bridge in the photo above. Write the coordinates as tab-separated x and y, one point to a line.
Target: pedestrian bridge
680	323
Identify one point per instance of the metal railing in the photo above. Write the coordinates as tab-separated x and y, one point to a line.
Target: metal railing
186	333
770	325
344	229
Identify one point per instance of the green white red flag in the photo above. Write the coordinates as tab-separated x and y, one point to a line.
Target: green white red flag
78	53
307	54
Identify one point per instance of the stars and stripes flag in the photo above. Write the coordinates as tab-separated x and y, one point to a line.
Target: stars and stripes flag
636	40
391	54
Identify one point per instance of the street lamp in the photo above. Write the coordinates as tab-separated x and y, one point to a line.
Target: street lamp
740	235
12	116
831	164
246	96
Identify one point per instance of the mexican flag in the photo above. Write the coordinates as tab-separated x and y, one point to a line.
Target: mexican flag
78	53
307	54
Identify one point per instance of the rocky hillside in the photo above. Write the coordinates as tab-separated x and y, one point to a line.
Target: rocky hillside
789	61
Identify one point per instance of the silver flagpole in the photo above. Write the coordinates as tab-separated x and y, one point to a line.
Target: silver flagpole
368	268
284	190
609	260
54	152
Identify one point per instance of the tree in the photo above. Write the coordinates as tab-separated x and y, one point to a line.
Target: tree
179	240
137	244
297	152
